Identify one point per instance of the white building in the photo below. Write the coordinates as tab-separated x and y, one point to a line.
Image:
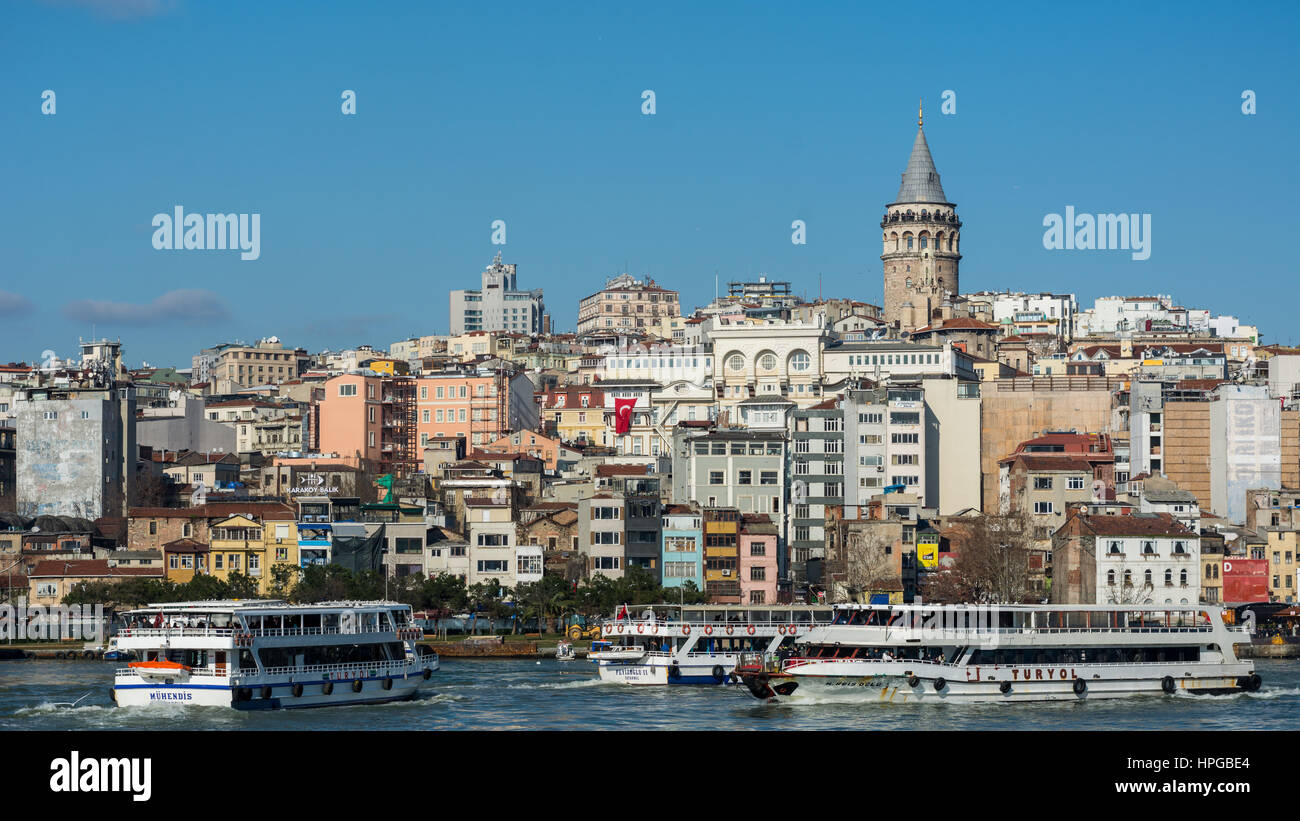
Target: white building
498	305
771	359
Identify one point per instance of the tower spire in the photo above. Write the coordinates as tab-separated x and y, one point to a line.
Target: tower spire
920	120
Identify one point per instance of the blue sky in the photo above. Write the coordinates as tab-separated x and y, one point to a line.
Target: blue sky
531	113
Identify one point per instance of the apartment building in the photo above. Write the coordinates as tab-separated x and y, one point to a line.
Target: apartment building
498	305
722	554
75	449
1143	558
1283	553
575	415
731	467
683	546
626	303
759	569
602	533
231	367
642	545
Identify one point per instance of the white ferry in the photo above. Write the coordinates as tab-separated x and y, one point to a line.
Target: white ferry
1009	653
697	644
269	655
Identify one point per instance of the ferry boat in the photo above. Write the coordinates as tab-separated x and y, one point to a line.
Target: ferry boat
697	644
269	655
1008	653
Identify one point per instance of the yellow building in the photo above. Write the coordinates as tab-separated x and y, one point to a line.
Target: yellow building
243	545
1281	551
722	554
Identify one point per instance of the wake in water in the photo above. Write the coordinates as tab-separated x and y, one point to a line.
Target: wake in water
563	685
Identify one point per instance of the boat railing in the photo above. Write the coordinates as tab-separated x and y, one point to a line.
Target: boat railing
258	632
799	662
739	629
373	668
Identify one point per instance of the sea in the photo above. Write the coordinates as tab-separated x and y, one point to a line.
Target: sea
501	694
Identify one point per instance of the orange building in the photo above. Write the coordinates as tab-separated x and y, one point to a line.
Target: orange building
387	421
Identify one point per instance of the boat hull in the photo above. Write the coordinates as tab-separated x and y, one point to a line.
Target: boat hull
253	693
959	685
660	671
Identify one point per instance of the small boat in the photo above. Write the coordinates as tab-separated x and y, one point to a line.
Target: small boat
564	651
160	669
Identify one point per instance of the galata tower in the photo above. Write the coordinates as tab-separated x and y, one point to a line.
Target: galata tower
921	237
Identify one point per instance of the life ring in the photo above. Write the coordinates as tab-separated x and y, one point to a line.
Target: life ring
620	628
750	629
939	684
266	692
686	629
244	694
718	672
388	683
1080	686
427	673
640	628
674	672
913	681
790	630
708	630
297	691
781	629
327	687
730	629
1254	682
1167	684
1004	687
357	685
609	628
112	693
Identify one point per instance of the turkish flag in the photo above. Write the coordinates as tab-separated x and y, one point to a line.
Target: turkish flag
623	415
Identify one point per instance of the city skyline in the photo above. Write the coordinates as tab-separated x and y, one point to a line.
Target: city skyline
398	203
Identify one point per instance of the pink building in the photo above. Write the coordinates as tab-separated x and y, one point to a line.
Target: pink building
758	569
387	421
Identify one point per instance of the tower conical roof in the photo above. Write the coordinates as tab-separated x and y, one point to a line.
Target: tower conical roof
921	179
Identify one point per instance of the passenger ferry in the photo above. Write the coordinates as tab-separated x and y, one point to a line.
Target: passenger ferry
1008	653
697	644
269	655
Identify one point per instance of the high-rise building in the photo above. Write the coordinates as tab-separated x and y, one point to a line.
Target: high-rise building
498	305
921	239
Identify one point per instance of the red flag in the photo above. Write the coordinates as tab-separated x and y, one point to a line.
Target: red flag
622	613
623	415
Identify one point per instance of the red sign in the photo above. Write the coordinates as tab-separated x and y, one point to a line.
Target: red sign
1245	580
623	415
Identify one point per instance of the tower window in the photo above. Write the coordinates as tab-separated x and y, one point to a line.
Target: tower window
909	243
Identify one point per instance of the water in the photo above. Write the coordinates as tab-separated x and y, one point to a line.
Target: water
470	694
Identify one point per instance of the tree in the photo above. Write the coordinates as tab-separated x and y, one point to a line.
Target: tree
992	563
283	578
866	565
1123	591
241	586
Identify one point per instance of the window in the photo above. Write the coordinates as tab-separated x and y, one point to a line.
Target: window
493	565
1180	548
758	574
716	477
1042	483
347	390
606	537
1043	508
905	438
757	549
1116	548
767	362
605	562
800	361
746	477
767	477
1074	483
903	418
1148	549
735	362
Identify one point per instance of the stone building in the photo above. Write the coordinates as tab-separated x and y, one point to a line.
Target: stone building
921	240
